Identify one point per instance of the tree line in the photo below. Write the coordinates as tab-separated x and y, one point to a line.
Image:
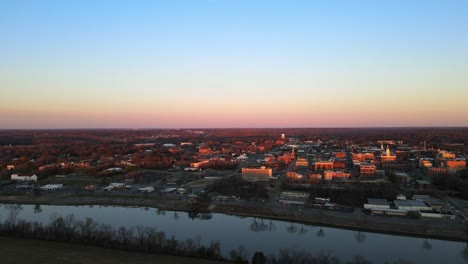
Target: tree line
148	240
90	232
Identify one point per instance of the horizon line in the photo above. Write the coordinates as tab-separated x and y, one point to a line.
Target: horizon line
214	128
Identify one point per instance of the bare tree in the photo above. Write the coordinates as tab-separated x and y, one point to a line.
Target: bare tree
87	228
400	261
239	254
359	260
125	236
12	216
141	232
326	257
294	256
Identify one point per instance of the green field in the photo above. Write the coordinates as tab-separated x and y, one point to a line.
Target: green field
14	250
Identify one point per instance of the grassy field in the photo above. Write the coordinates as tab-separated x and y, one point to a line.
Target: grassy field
80	179
15	250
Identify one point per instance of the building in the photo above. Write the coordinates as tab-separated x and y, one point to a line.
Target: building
315	176
257	174
363	156
291	197
436	203
301	162
432	214
373	203
329	175
324	165
198	164
388	157
366	169
447	155
402	176
114	170
437	171
455	165
51	187
339	155
426	163
269	157
293	175
204	150
295	194
412	205
339	164
16	177
285	158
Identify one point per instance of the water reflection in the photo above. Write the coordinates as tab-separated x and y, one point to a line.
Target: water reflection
37	209
160	211
427	245
265	235
200	215
464	252
292	228
258	225
320	233
360	237
302	230
271	226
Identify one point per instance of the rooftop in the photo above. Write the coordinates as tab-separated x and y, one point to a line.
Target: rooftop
377	201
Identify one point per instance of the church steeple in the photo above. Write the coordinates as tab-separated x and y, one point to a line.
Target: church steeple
387	151
292	152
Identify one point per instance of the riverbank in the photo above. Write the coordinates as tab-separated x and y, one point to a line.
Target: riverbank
430	228
39	251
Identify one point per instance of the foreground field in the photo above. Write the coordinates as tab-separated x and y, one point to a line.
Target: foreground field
14	250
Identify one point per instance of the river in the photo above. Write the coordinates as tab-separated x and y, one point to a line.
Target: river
264	235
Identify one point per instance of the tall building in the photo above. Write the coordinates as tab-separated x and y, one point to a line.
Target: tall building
257	174
388	157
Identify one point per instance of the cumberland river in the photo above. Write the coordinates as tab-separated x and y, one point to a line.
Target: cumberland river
264	235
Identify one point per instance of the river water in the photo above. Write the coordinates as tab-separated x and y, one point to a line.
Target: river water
264	235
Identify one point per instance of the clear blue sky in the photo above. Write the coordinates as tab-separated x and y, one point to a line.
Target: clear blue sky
233	63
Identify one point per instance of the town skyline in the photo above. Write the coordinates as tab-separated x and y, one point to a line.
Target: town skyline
222	64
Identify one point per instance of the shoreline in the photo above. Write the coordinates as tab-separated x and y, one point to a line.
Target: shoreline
341	220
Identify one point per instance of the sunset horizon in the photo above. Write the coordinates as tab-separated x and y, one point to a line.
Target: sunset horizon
83	64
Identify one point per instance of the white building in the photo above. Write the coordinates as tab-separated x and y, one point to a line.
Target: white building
16	177
412	205
373	203
51	187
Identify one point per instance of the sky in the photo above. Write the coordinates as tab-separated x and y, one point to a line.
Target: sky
233	63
